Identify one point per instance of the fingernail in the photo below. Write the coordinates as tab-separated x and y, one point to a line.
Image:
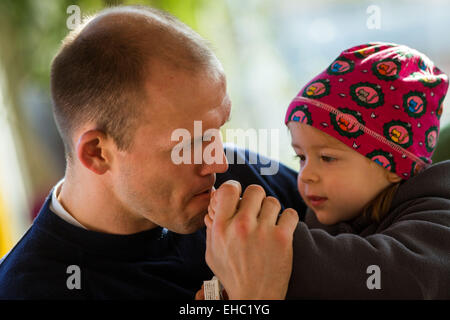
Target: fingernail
236	183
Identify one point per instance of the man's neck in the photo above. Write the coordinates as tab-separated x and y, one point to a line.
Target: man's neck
94	206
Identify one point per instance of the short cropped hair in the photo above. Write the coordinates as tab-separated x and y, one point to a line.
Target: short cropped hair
100	71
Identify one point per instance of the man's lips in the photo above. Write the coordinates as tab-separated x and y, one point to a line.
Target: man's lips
205	191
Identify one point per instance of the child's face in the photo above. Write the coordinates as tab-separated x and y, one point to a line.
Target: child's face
344	179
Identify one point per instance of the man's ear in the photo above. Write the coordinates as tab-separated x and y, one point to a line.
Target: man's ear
92	151
393	177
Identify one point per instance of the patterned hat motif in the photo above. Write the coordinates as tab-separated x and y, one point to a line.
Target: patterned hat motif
341	65
383	158
399	132
383	100
317	89
346	122
386	69
301	114
415	103
367	94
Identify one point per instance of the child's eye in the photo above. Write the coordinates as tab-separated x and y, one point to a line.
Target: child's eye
328	159
299	156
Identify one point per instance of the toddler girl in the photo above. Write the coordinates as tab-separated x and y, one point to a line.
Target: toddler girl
378	217
365	130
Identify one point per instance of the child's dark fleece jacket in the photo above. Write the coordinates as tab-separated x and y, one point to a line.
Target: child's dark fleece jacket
410	246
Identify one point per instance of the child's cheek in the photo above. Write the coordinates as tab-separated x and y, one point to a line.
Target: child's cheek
300	187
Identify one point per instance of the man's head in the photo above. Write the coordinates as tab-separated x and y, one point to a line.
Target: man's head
121	84
100	72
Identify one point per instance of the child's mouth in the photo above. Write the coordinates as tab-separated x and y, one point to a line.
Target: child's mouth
316	200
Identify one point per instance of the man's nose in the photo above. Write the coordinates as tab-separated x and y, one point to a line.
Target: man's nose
219	164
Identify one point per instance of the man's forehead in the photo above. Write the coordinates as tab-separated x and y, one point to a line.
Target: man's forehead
168	85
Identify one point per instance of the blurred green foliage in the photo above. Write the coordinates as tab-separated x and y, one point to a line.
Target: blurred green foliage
442	151
33	30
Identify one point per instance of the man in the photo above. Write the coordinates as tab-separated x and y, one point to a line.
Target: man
126	221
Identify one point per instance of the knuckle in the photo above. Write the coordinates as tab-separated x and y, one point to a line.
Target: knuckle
244	217
282	236
242	228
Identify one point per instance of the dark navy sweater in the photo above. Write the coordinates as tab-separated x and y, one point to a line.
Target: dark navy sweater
153	264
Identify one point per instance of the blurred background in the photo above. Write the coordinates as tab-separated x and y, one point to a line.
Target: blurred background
269	50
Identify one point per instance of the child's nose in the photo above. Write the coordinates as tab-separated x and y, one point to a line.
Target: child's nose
308	173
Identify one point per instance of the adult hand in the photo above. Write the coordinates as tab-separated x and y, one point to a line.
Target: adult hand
248	248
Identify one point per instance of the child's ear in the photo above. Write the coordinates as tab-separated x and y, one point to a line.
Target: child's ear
393	178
